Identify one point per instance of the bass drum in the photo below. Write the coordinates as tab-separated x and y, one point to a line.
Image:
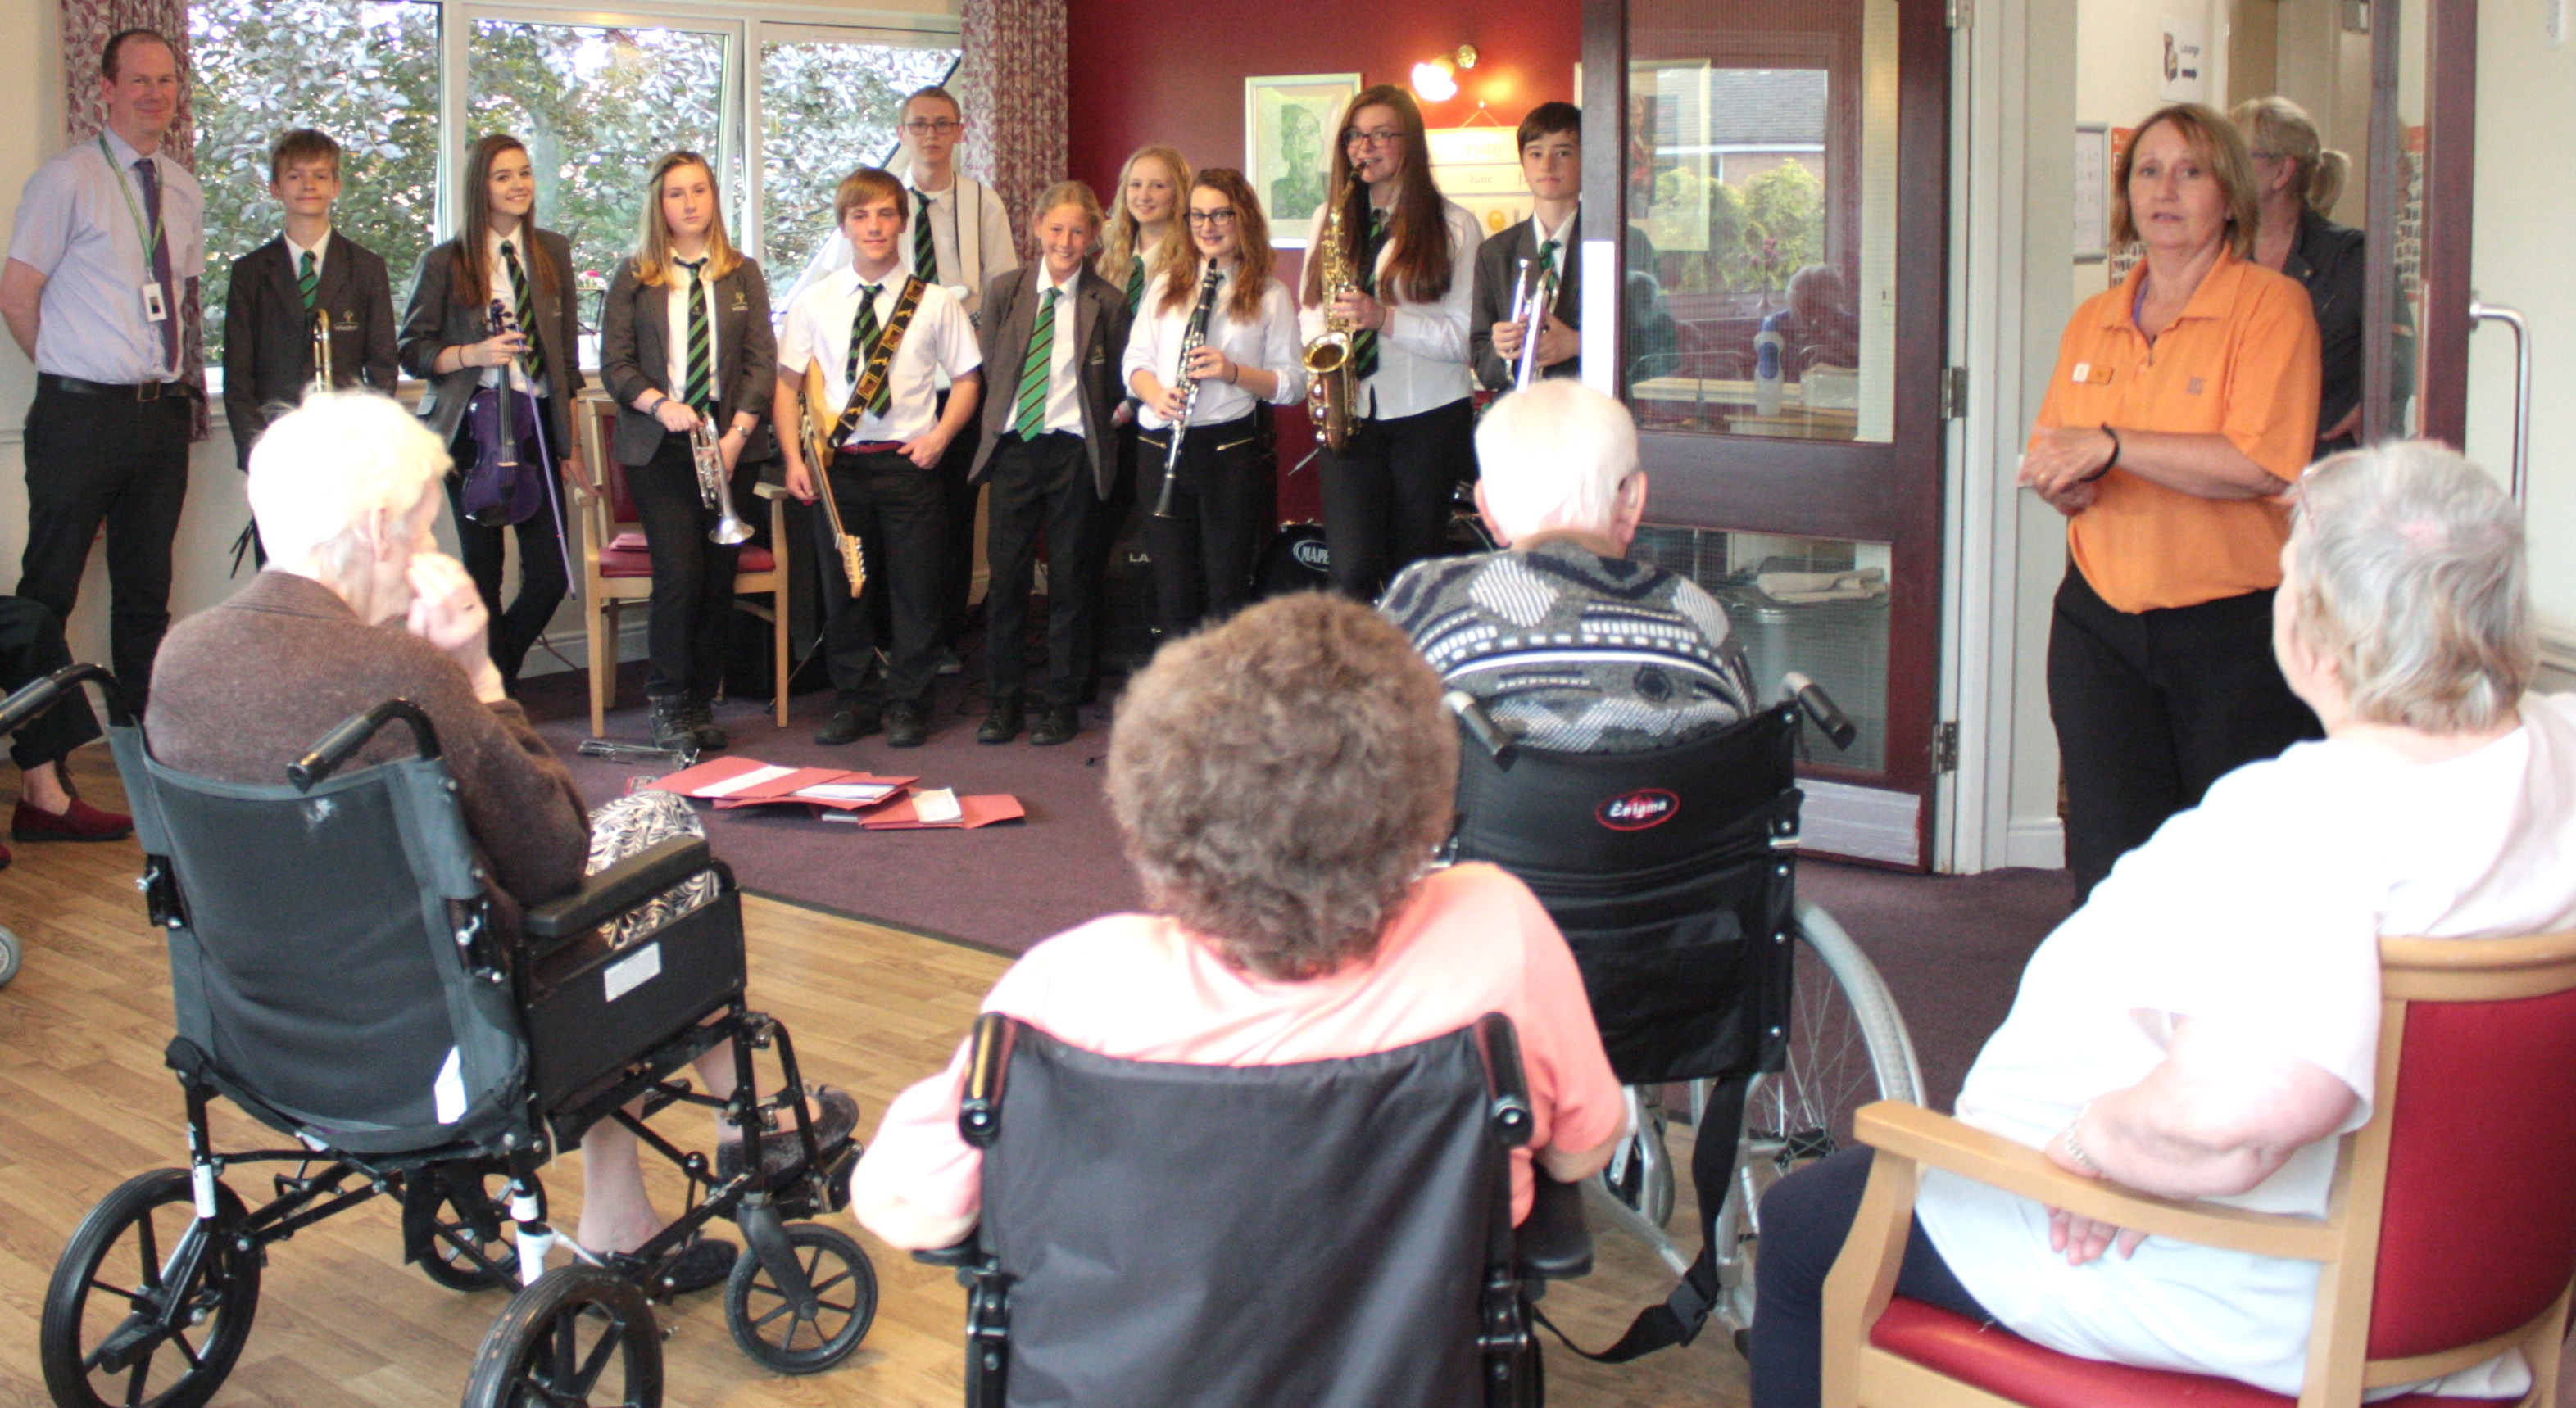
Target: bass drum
1296	562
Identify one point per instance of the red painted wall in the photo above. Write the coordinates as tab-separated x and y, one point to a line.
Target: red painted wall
1172	71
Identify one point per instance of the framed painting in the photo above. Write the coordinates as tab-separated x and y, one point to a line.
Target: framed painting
1288	135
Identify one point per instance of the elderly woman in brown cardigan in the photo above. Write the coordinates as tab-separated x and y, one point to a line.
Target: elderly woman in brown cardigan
356	607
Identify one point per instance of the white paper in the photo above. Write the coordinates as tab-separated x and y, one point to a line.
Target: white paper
447	1093
633	971
848	791
731	785
936	806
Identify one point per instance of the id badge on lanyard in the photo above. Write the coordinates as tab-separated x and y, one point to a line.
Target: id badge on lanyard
156	306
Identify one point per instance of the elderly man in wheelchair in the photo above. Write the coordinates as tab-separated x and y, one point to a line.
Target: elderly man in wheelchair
396	937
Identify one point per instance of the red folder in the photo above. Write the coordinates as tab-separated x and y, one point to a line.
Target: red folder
973	812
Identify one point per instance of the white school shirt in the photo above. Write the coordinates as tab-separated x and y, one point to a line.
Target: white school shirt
1064	399
74	227
970	254
940	344
1268	343
320	250
2261	908
683	287
1422	350
529	252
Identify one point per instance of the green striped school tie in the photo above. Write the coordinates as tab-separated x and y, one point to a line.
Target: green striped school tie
527	310
1363	341
1036	371
702	361
863	340
1135	285
925	255
306	277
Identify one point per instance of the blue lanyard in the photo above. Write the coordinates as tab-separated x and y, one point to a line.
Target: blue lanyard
151	236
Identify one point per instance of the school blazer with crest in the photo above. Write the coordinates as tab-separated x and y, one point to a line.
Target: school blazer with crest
268	339
435	321
635	353
1010	311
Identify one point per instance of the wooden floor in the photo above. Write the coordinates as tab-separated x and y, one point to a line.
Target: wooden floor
85	1103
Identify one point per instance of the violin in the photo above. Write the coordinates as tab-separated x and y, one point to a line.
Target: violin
499	487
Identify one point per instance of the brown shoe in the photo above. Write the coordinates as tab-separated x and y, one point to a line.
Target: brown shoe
78	822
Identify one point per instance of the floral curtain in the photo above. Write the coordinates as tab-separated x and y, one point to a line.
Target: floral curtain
1011	79
87	24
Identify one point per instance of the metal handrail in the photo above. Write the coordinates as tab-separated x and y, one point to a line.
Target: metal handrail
2494	313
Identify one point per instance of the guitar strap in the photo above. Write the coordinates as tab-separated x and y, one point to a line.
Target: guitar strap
880	358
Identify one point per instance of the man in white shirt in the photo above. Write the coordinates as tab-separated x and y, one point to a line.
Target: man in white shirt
1526	256
106	253
885	469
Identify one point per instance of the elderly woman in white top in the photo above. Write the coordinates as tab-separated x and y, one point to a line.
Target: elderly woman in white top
2208	1024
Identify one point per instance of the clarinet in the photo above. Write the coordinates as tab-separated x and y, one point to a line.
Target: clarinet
1192	339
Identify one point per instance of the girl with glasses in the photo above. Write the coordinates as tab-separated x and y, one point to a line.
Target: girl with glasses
1388	491
685	337
1205	551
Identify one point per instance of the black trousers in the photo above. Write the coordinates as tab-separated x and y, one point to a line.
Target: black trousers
544	577
1045	483
1387	495
121	462
691	616
1205	553
1805	1218
957	580
900	513
31	647
2153	707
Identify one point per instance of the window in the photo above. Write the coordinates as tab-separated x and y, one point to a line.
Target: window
829	100
367	73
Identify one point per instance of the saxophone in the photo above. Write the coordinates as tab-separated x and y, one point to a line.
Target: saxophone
1329	389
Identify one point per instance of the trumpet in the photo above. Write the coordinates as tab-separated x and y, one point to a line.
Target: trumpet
1330	393
1192	339
1532	301
322	379
715	486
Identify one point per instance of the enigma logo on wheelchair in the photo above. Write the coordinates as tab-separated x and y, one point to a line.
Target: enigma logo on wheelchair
1635	811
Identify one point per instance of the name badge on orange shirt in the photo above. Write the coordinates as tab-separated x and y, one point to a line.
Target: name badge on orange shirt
2192	387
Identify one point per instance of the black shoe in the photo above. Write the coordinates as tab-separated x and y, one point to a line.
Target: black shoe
905	727
701	720
850	723
667	720
1002	725
1057	723
836	1113
949	664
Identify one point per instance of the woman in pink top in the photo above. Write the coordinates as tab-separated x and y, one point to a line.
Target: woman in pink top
1281	782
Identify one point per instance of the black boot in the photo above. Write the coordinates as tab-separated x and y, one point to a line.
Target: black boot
667	721
701	719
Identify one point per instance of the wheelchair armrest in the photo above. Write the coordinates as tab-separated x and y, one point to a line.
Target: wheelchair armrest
619	888
1552	1243
968	1251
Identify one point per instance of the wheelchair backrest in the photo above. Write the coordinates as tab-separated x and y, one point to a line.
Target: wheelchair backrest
1668	873
315	960
1313	1233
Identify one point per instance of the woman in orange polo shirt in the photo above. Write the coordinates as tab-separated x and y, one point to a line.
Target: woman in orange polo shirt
2183	407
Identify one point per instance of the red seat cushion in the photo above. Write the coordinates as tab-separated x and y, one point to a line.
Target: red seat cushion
2000	1362
619	560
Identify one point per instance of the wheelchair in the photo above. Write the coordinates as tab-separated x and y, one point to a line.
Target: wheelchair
1672	874
435	1068
1328	1233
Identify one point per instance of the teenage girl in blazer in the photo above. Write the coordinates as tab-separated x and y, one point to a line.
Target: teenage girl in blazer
1388	493
1204	553
446	342
686	279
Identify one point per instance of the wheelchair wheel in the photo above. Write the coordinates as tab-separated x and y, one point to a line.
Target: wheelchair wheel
1847	1048
102	1341
579	1335
451	1211
9	952
766	1324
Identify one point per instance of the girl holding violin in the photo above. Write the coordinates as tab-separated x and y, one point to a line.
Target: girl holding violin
449	341
685	339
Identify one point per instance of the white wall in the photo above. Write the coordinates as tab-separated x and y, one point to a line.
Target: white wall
2525	206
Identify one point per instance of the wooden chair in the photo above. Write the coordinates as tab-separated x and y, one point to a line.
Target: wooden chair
2451	1235
616	568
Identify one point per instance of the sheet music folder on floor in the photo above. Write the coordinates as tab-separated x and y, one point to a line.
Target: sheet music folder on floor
835	794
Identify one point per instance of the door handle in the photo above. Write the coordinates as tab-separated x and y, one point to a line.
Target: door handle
2480	312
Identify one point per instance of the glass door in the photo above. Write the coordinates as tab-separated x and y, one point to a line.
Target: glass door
1773	187
2423	117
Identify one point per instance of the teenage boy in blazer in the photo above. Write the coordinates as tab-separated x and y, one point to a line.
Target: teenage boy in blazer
1551	146
685	279
270	311
1049	450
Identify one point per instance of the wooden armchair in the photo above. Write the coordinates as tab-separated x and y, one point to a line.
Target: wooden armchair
616	568
2451	1236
